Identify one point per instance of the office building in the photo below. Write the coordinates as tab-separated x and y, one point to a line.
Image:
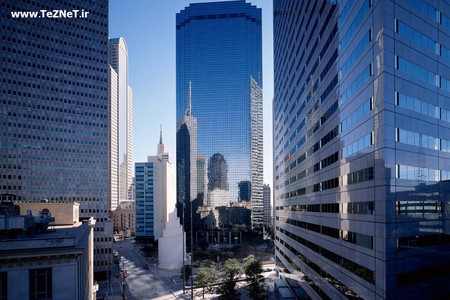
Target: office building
42	262
267	216
219	54
155	193
187	158
54	110
120	123
124	218
201	176
361	159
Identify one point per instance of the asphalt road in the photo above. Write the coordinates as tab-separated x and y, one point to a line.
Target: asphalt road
141	283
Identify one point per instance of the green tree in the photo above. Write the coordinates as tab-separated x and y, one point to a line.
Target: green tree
253	269
230	273
213	253
186	270
206	276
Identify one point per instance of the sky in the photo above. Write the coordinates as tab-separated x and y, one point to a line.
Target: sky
148	27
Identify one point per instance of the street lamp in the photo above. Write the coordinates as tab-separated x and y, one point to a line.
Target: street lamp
192	256
184	254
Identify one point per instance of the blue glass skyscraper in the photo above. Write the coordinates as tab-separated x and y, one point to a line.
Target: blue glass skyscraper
218	49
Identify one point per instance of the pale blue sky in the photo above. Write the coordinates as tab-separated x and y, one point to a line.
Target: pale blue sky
148	27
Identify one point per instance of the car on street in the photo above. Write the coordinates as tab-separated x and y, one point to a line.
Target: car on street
146	266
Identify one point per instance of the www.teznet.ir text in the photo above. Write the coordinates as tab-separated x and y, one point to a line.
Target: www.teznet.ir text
51	14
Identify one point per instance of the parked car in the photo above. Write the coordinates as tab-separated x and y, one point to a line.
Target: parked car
146	266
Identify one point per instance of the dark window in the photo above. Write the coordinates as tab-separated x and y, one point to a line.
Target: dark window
3	285
41	283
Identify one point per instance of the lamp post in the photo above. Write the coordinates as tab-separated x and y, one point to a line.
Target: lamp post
192	256
184	254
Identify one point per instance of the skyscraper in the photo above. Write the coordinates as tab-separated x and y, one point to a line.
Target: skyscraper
121	123
54	110
219	51
361	162
155	193
187	158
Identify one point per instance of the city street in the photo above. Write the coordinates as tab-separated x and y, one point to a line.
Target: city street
140	283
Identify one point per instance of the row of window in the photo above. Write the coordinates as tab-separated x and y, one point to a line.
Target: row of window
314	168
351	178
358	145
421	207
55	129
357	83
15	52
424	7
359	239
363	272
357	114
51	60
327	67
337	284
53	149
353	148
52	139
355	24
415	70
418	173
366	208
327	115
415	36
422	140
366	39
422	241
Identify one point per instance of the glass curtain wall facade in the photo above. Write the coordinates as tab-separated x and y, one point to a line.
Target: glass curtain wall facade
218	48
54	110
360	147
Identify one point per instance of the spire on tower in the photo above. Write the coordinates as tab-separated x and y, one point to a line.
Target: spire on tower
160	134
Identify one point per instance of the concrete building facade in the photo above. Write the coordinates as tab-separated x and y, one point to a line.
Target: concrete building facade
155	193
121	123
56	263
54	111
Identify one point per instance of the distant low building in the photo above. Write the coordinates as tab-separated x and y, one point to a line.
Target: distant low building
124	217
46	257
225	217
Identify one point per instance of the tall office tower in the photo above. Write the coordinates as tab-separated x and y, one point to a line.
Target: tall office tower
361	156
201	176
219	50
120	123
155	193
186	157
54	110
267	216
